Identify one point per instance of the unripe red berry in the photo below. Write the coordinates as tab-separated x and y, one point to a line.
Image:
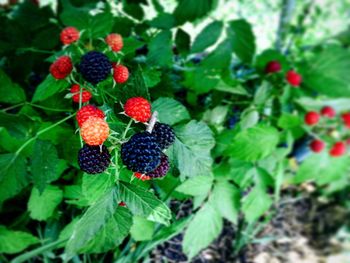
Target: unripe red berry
85	95
94	131
115	41
69	35
120	73
61	68
293	78
138	108
328	111
346	119
122	204
317	146
88	111
338	149
311	118
143	177
273	67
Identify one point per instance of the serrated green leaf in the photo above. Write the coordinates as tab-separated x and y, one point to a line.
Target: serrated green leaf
207	37
190	10
249	118
45	167
95	186
254	143
151	77
199	185
202	230
141	229
13	175
190	155
289	121
243	40
160	49
12	242
49	87
163	21
201	80
170	111
220	58
93	220
326	69
144	203
10	92
42	206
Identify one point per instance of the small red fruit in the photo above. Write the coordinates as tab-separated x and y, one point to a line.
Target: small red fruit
88	111
346	119
293	78
61	68
328	111
338	149
69	35
273	67
142	176
120	73
317	146
115	41
94	131
85	95
311	118
138	108
122	204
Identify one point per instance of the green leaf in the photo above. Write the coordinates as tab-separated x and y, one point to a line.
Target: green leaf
160	50
163	21
249	118
12	242
141	229
190	10
151	76
182	41
199	185
202	230
170	111
130	45
93	220
201	80
101	24
326	69
95	186
220	58
45	167
207	37
42	206
243	40
10	92
136	87
254	143
270	55
13	175
190	154
72	16
289	121
322	169
112	233
256	203
144	203
49	87
226	199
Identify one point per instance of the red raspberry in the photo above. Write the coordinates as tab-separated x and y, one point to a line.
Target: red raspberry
273	67
138	108
348	141
69	35
61	68
122	204
120	73
293	78
142	176
115	41
338	149
311	118
328	111
94	131
85	95
346	119
317	146
88	111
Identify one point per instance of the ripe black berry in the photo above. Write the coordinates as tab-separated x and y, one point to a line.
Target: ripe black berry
95	67
141	153
161	169
93	159
164	134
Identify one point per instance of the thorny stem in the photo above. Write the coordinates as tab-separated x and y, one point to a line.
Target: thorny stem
152	122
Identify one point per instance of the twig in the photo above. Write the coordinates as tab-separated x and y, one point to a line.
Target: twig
152	122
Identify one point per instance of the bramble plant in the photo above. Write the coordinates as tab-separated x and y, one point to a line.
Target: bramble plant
127	138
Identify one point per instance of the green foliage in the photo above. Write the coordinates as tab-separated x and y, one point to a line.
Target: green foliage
10	92
13	242
207	37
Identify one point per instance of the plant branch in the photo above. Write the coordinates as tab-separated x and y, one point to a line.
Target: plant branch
152	122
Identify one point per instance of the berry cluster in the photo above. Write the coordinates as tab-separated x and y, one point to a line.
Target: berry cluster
327	114
292	77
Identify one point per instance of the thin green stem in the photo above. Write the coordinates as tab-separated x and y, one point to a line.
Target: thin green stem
127	129
31	49
47	108
14	106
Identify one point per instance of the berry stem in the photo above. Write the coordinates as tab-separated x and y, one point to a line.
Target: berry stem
127	129
152	122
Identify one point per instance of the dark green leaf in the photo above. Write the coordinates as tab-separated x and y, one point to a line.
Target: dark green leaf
209	35
163	21
170	111
182	41
190	10
49	87
10	92
12	242
220	58
160	49
198	185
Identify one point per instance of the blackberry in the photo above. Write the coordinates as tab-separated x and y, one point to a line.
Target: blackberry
93	159
141	153
161	169
164	134
95	67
